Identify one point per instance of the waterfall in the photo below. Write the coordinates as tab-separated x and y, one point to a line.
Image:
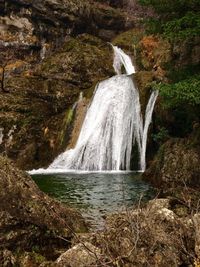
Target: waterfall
144	133
113	125
122	59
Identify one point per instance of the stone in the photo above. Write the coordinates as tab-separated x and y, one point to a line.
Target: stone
81	255
158	204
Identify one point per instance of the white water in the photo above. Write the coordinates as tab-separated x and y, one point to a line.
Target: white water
122	59
112	126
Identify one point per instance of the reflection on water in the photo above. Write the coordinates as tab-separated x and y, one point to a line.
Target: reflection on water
95	194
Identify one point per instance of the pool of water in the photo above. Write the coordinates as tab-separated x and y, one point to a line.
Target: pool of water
95	194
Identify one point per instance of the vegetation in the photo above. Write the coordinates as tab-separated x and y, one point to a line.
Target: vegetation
179	22
177	18
183	92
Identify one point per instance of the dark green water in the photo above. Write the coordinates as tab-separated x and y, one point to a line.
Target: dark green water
95	194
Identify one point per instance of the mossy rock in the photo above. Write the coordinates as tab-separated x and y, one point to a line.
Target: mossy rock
129	41
30	220
37	104
143	80
176	165
81	61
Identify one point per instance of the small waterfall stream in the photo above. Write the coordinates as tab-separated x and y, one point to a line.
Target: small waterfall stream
113	125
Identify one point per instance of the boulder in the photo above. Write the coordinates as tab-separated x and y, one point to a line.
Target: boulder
176	165
81	255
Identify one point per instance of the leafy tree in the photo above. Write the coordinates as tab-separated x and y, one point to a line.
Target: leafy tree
178	20
185	92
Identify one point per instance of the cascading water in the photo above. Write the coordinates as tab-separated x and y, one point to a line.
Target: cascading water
113	125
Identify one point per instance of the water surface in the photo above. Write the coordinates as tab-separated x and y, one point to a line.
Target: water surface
95	194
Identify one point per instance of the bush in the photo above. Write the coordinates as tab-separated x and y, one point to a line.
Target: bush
183	92
178	19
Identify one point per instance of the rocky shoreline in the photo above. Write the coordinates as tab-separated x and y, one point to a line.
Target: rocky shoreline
36	230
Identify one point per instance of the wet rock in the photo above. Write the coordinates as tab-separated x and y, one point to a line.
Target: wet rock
107	35
143	80
29	219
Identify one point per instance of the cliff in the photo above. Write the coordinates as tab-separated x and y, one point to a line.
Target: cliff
51	51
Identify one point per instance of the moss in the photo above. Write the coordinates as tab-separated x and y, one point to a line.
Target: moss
129	39
143	80
67	121
39	258
69	118
159	162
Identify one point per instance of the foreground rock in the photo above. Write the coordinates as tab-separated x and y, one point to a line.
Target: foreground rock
81	255
30	220
154	235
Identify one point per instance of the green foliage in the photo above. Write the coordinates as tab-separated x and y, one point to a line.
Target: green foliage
182	28
178	19
176	75
161	136
172	7
183	92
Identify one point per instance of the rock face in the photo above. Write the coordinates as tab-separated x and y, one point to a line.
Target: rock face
177	164
47	19
53	50
29	219
37	114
